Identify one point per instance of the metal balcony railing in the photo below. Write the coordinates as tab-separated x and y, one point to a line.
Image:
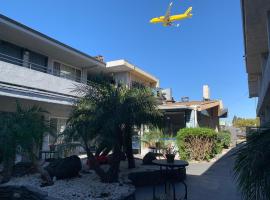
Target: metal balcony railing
38	67
23	63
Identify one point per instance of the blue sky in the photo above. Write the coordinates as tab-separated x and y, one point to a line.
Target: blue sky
207	49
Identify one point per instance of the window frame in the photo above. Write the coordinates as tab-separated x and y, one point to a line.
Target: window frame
76	69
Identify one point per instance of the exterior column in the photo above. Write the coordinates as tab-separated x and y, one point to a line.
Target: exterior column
84	76
195	117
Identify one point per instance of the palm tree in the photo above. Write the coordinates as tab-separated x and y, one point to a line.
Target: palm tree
139	108
105	116
252	166
22	132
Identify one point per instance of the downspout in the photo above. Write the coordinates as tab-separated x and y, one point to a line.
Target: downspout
195	117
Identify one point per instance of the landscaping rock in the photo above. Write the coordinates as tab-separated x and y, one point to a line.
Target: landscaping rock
65	168
148	158
88	187
23	168
21	193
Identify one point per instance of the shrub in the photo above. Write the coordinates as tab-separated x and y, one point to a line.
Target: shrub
252	166
197	143
152	137
224	138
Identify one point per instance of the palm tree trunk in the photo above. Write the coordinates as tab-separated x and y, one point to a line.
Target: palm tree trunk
113	172
33	153
128	147
8	164
44	174
129	152
112	175
95	165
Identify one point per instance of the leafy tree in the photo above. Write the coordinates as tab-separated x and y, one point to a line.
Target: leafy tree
252	166
243	122
105	116
22	132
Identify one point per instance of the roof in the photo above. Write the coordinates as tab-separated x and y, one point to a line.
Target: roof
198	105
125	66
13	29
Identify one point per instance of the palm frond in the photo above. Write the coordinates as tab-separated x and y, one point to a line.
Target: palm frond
252	166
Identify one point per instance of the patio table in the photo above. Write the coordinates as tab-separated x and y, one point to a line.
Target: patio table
167	169
49	155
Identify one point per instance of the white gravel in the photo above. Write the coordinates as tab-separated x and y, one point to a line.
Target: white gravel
87	187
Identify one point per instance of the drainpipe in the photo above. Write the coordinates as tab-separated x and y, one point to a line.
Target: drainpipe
195	108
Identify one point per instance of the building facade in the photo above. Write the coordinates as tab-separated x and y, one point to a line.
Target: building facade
38	70
192	114
126	73
256	27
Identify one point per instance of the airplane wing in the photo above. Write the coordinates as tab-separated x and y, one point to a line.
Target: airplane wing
168	12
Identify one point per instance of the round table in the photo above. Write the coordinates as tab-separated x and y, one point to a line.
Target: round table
175	164
169	173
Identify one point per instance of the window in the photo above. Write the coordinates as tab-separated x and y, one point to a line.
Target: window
60	69
20	56
38	62
10	53
56	68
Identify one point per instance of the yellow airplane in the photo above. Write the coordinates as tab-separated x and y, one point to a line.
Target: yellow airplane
168	19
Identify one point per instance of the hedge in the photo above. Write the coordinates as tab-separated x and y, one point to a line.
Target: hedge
198	143
224	137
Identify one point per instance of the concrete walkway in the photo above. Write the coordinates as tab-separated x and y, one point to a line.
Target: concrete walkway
208	180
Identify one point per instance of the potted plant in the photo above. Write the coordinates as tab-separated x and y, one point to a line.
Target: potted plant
170	153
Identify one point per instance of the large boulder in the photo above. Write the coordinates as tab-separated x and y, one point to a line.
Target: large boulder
148	158
65	168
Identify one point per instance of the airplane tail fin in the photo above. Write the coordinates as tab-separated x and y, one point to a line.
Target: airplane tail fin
188	12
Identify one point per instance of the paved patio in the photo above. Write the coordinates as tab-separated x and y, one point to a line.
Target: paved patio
208	180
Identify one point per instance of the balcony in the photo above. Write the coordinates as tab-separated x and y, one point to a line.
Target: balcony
38	67
29	80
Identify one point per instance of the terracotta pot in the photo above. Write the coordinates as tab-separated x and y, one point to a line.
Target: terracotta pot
170	158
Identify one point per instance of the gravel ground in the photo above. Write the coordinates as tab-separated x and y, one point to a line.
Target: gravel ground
88	187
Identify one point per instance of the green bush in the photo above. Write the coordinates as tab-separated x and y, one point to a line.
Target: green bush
152	137
197	143
224	138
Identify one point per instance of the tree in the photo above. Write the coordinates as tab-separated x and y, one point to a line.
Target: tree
243	122
105	116
252	166
22	132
